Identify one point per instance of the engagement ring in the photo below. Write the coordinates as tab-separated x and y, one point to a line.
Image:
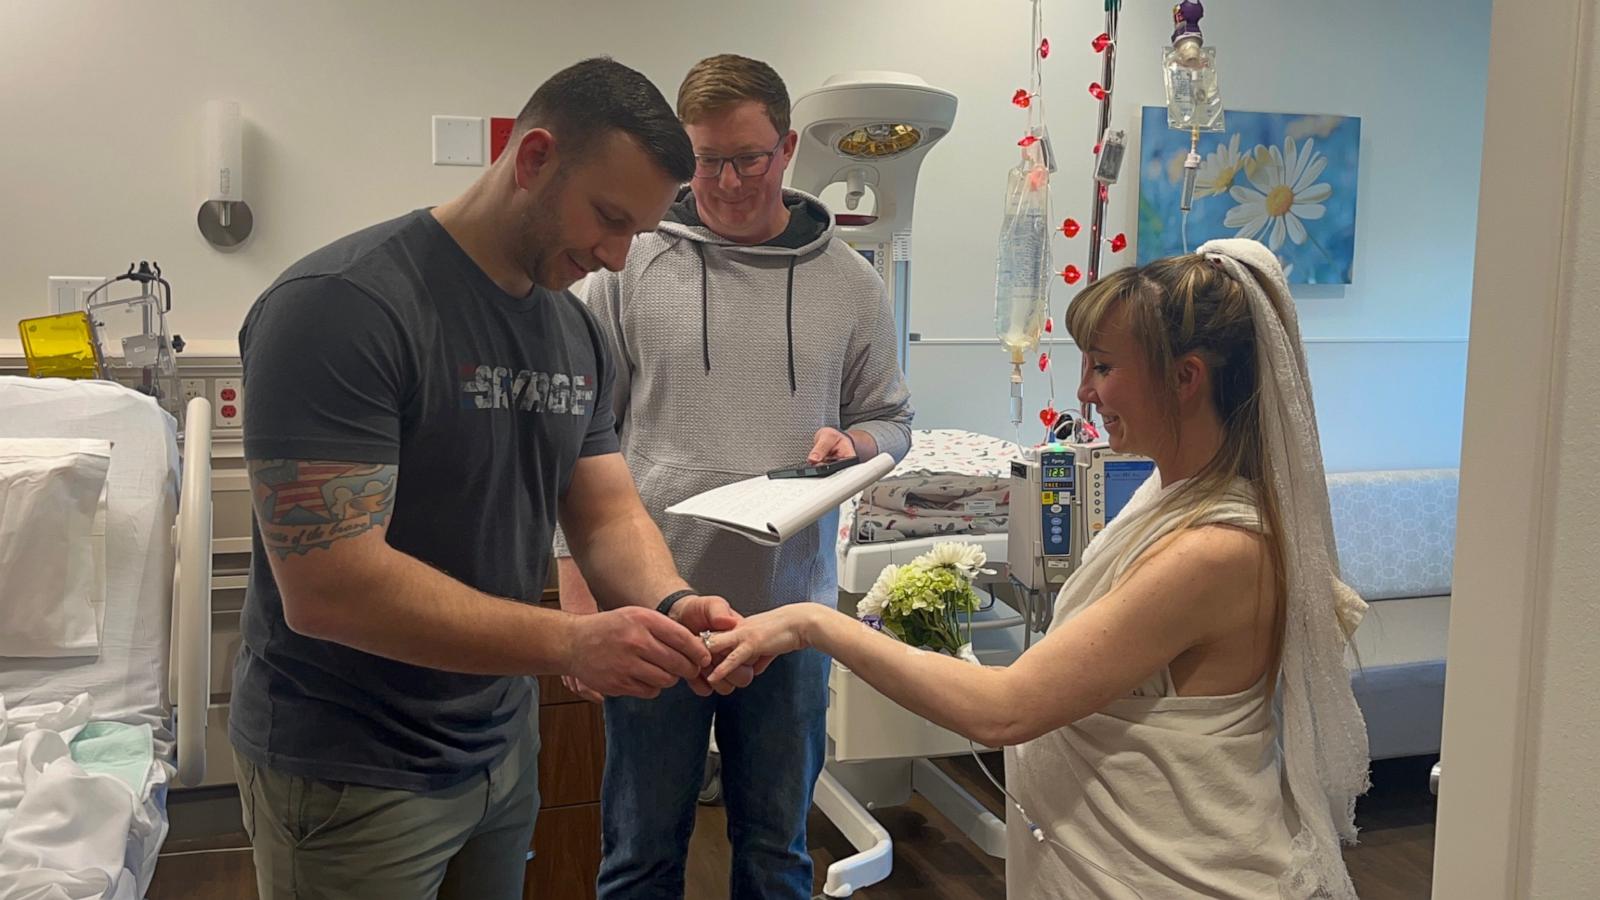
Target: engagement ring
705	638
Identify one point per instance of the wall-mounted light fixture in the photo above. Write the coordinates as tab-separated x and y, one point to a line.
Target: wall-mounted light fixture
224	217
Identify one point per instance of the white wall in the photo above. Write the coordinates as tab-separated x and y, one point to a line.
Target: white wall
104	97
1518	809
1566	674
1565	754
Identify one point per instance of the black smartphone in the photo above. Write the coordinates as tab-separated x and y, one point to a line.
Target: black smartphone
820	470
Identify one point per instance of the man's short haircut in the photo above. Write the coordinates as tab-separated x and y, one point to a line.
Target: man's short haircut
717	83
587	100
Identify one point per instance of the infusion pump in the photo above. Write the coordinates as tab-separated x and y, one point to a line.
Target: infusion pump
1062	495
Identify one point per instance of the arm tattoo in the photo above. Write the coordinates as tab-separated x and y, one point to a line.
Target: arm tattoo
304	505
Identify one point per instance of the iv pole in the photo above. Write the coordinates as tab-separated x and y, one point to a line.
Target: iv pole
1097	216
1108	67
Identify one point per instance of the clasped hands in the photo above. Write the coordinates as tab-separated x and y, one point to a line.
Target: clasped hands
634	652
639	653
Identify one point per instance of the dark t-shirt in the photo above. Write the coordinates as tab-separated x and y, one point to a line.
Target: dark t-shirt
391	346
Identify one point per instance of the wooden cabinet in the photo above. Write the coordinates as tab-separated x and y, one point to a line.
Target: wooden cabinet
566	842
566	838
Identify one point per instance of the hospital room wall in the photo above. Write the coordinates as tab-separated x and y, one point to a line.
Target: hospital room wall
1387	353
106	98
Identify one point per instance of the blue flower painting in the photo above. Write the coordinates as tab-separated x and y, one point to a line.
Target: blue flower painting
1288	181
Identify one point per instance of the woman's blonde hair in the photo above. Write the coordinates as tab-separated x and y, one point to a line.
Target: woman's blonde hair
1187	305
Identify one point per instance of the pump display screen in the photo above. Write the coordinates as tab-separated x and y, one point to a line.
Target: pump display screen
1056	481
1123	477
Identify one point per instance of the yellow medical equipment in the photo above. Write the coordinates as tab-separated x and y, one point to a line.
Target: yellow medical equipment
61	346
121	339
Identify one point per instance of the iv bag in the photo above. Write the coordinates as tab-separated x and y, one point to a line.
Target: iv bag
1194	102
1108	161
1022	268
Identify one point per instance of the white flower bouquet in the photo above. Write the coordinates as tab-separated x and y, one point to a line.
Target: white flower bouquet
929	601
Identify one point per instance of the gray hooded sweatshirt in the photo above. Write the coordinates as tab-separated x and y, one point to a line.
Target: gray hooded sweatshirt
729	357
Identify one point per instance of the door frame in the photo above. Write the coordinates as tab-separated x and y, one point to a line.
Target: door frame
1501	582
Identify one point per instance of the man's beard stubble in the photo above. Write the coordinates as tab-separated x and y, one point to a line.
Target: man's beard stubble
540	233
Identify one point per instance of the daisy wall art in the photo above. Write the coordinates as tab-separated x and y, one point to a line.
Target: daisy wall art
1289	181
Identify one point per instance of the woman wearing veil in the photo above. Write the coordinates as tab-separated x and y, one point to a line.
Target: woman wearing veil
1186	727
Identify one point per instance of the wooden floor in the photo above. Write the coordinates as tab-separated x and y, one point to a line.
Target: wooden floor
1394	860
205	870
932	859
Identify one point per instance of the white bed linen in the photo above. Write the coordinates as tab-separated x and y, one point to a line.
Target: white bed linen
951	483
67	833
52	545
128	680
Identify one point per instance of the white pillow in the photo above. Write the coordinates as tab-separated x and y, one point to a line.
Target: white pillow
52	545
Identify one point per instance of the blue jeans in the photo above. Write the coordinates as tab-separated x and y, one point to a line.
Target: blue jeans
772	737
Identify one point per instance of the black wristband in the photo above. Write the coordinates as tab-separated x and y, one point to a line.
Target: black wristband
665	606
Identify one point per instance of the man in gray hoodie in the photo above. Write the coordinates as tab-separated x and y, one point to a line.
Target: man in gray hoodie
747	337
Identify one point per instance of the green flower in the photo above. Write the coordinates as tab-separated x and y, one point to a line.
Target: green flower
929	602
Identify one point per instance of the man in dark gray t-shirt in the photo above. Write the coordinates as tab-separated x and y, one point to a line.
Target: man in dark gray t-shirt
426	398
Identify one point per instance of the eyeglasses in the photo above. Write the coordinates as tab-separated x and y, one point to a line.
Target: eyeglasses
748	165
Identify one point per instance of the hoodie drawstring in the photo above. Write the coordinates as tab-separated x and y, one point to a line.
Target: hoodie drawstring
789	322
705	316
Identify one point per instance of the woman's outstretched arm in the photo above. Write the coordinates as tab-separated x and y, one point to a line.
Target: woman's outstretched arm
1194	588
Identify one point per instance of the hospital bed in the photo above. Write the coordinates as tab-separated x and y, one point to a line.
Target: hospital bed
952	486
89	825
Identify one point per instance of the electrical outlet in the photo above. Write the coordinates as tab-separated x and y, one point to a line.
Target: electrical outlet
71	292
227	403
190	388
